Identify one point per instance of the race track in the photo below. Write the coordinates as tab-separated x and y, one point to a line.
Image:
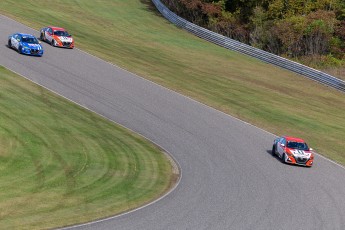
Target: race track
229	178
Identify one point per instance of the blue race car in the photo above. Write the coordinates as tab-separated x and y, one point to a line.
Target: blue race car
25	44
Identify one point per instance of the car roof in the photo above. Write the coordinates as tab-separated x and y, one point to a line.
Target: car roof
289	138
26	35
56	28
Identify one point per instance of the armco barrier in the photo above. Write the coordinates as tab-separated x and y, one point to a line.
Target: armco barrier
231	44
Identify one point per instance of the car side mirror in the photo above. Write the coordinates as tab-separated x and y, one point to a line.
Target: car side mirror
282	145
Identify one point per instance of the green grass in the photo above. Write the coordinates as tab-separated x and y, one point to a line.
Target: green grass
133	35
61	164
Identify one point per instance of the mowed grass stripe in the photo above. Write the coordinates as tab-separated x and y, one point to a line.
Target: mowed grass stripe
62	165
133	35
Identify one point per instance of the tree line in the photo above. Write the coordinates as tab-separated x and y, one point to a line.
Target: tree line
310	31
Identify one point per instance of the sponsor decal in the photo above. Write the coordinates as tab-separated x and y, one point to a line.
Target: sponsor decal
65	39
33	45
300	153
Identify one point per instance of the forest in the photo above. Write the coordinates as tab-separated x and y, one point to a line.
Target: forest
311	32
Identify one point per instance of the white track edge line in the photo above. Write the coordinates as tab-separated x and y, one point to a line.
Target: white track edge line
342	166
170	157
336	163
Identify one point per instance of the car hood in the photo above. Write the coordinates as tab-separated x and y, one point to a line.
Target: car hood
32	46
299	153
65	39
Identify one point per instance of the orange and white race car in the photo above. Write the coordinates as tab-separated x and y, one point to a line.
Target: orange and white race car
293	150
57	36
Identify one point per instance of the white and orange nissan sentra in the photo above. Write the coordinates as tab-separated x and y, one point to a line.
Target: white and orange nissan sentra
293	150
57	36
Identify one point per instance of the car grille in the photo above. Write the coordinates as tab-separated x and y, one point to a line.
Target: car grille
66	44
34	51
301	160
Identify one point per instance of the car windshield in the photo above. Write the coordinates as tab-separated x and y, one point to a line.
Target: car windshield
31	40
297	145
61	33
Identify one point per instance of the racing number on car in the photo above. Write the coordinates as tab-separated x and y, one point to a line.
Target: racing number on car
47	35
280	149
15	42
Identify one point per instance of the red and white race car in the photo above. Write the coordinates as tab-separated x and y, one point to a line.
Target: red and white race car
57	36
293	150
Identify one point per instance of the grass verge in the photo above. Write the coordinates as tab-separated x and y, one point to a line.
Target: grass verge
61	164
133	35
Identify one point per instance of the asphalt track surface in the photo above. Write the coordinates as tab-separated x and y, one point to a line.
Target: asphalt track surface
229	178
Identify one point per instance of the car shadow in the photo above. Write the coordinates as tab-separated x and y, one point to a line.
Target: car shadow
46	42
6	45
10	48
274	156
278	159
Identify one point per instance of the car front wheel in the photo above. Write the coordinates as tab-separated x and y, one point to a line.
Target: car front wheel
9	43
42	37
283	158
273	150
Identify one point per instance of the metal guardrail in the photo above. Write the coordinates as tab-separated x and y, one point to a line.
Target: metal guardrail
267	57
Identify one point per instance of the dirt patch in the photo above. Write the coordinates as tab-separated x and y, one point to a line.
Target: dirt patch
175	171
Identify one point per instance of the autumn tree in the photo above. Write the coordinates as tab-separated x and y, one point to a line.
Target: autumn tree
319	32
292	28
